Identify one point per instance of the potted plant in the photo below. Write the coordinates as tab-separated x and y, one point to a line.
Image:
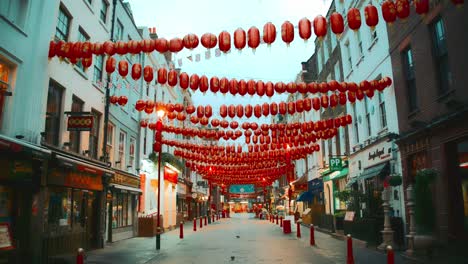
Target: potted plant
395	180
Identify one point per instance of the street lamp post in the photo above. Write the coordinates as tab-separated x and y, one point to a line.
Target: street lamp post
159	126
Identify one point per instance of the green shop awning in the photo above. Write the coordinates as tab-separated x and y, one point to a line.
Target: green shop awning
335	175
380	169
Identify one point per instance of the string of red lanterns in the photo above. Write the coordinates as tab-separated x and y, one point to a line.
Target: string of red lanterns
391	11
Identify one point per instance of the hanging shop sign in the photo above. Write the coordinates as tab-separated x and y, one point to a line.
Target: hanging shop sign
80	123
170	175
335	164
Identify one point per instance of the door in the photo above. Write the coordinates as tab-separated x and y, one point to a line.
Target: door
91	216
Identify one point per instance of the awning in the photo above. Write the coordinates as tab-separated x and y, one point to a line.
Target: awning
305	197
123	187
315	186
381	169
336	175
16	145
70	162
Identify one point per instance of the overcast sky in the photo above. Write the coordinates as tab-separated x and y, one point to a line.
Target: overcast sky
276	63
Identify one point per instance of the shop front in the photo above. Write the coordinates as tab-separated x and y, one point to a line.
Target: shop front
22	169
334	182
181	197
122	203
74	205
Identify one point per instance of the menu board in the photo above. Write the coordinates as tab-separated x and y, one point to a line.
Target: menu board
6	241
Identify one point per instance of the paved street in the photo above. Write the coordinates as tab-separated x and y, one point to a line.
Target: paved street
243	237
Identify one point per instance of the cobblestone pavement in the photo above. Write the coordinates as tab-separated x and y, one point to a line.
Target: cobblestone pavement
240	239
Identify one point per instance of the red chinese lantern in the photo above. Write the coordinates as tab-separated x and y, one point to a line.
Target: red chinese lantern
209	40
260	88
224	123
52	50
320	26
162	76
136	71
172	115
134	47
248	111
372	16
190	41
194	82
179	108
208	111
352	87
316	103
370	93
239	38
184	80
233	86
305	28
223	111
302	88
161	45
351	97
342	98
224	85
224	41
291	87
234	125
402	9
242	85
333	100
194	119
253	37
123	100
214	84
240	111
312	88
214	122
280	87
232	111
110	65
323	87
190	109
113	99
172	78
204	121
269	33
287	32
144	123
257	111
273	109
364	85
300	105
109	48
86	49
147	45
265	109
176	45
269	89
251	87
389	11
121	47
337	23
181	117
282	108
291	108
307	104
354	19
97	49
359	94
123	68
203	84
140	105
148	74
87	62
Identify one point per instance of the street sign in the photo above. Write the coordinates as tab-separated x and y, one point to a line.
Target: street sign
335	164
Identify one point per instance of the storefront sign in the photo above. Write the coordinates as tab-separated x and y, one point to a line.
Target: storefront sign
15	169
80	123
126	180
378	153
75	179
170	175
335	164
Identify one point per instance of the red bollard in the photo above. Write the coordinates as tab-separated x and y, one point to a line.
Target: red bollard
206	220
80	256
281	221
277	217
201	222
298	229
181	227
312	235
390	255
194	224
350	256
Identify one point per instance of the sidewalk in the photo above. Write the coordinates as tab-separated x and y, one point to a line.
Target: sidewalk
138	250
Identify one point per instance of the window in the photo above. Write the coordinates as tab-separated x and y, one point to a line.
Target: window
75	136
63	24
53	113
408	64
82	37
368	120
121	157
119	31
122	206
383	112
103	12
4	86
15	11
359	41
94	135
131	154
110	142
355	123
348	56
98	64
439	39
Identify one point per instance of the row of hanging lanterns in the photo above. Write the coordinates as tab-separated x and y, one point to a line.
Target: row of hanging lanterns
391	11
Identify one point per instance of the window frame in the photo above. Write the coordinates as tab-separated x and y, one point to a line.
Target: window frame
368	119
131	152
410	79
119	30
355	123
122	148
56	116
440	55
66	13
75	136
382	110
110	141
82	37
104	11
98	68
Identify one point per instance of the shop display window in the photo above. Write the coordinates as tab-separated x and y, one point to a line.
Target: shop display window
60	204
122	210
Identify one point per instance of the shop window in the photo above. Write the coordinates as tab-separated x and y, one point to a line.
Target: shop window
53	113
78	208
60	204
122	210
63	24
75	136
